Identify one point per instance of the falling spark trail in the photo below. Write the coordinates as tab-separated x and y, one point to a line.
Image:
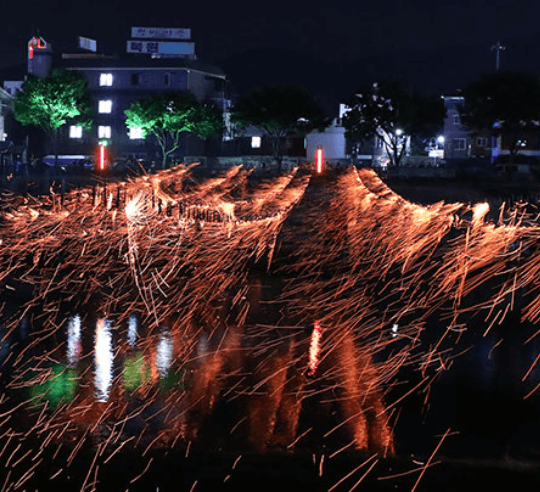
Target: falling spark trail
428	462
315	348
371	458
170	260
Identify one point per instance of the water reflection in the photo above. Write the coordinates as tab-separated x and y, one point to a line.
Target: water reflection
164	352
132	330
103	359
74	347
221	386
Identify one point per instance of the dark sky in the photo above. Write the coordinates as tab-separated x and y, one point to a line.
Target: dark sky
331	47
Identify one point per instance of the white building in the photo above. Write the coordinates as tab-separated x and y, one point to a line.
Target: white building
332	140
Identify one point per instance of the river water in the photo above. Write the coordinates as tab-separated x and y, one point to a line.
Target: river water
91	390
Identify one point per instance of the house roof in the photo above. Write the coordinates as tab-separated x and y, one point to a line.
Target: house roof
5	96
136	62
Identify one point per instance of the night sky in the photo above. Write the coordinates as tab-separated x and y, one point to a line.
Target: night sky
329	47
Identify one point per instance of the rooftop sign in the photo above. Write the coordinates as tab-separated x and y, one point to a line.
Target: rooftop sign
87	44
161	47
37	42
160	33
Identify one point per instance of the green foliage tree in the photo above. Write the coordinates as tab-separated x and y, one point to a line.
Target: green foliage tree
279	111
507	103
168	116
52	102
391	113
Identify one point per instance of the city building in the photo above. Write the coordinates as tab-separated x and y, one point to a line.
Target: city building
156	60
457	138
6	100
6	145
459	141
116	82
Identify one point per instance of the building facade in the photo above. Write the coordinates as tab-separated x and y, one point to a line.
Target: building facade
459	141
457	138
116	82
149	66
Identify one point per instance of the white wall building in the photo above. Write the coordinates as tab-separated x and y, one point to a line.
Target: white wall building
332	140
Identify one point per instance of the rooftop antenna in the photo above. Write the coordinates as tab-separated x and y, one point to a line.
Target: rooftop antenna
498	48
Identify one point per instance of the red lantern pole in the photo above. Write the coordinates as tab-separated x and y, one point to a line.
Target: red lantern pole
319	160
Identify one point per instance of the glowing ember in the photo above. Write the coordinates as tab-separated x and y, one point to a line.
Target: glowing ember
315	348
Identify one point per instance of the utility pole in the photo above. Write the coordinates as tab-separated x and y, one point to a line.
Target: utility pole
498	48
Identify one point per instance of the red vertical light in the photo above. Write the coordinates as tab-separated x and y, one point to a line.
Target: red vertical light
102	157
319	160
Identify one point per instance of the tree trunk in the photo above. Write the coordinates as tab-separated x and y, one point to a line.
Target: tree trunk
26	149
164	154
55	143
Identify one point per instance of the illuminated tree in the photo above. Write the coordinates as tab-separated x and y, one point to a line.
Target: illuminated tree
168	116
279	112
508	104
392	114
52	102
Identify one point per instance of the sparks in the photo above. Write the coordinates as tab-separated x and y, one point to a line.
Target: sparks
315	348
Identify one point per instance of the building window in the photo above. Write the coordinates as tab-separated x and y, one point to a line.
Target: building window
104	132
136	133
457	119
481	142
105	106
460	144
135	78
167	79
105	79
75	131
255	142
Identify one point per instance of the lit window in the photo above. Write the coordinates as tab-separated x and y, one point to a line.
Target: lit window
457	119
75	131
104	132
105	106
136	133
255	142
105	79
